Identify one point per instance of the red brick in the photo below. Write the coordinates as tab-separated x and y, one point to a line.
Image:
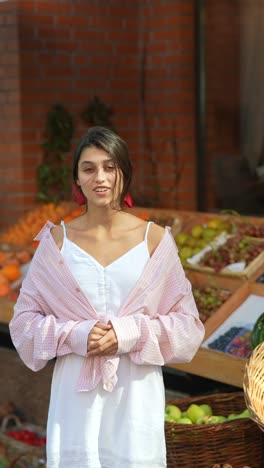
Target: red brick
74	21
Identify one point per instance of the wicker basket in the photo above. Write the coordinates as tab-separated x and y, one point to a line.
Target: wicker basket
17	453
254	385
237	442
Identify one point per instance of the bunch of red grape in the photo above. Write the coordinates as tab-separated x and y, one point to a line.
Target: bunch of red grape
249	229
208	300
235	341
236	249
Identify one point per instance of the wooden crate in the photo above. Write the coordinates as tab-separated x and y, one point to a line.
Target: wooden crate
202	217
217	365
230	284
175	219
252	271
6	310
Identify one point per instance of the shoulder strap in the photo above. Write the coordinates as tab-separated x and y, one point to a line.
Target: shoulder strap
64	229
147	230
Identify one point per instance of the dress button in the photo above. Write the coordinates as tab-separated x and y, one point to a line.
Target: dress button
77	290
61	262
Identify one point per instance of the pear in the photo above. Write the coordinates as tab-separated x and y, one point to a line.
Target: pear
173	412
181	238
184	421
194	412
207	409
209	233
214	223
197	231
185	252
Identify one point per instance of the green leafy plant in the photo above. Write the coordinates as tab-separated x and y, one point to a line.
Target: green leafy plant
98	113
53	174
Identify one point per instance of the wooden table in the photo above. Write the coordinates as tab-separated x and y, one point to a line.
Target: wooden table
6	311
216	366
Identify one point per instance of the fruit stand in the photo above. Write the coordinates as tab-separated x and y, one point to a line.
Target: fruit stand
223	257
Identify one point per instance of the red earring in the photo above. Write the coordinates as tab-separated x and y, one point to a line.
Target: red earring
78	196
128	201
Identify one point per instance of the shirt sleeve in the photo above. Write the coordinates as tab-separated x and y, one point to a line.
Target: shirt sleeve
39	338
173	337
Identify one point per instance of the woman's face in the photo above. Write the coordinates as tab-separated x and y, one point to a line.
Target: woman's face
98	177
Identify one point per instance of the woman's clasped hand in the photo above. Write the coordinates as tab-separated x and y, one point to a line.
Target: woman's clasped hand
102	340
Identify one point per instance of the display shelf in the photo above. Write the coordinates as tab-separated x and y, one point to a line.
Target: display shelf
251	271
218	365
230	284
6	310
207	363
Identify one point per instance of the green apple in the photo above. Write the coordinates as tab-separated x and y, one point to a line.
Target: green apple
222	419
245	414
195	412
168	418
207	409
184	421
214	419
202	419
173	412
205	419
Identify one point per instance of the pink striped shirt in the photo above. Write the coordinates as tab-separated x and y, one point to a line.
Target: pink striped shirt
158	323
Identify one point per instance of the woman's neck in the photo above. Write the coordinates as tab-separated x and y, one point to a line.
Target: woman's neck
101	217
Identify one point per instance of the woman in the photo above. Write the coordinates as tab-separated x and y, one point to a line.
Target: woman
107	296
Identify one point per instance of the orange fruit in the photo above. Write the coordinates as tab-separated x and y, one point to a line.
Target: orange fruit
11	271
68	218
3	279
34	244
3	256
4	289
77	212
23	256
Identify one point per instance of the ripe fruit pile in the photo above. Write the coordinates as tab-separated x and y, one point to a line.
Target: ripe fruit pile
11	264
17	244
27	437
248	229
208	300
235	341
236	249
199	414
192	241
28	226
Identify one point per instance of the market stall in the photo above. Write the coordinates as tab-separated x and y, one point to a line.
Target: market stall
223	258
222	286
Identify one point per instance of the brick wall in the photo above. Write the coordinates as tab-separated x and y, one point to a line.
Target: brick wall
12	193
222	52
166	32
71	51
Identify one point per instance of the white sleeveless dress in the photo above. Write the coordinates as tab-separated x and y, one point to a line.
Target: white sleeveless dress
100	429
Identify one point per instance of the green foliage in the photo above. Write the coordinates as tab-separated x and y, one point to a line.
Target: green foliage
53	174
98	113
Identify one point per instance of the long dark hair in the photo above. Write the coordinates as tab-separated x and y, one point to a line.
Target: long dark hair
114	145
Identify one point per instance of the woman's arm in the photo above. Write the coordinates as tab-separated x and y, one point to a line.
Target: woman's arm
171	337
39	337
174	337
